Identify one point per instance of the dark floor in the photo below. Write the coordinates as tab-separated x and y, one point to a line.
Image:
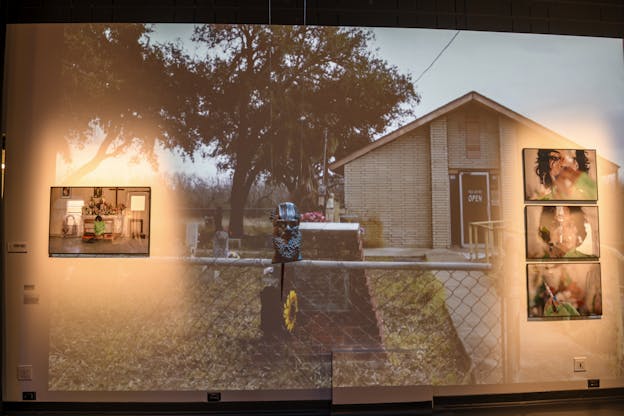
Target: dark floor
611	405
572	409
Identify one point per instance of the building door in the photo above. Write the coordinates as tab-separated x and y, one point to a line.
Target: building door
474	191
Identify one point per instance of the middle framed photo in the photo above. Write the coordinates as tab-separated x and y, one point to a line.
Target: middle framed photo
562	232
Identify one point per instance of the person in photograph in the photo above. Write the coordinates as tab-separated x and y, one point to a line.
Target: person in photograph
557	294
562	229
99	227
564	290
564	175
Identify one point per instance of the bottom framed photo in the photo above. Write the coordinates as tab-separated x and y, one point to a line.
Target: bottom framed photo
564	291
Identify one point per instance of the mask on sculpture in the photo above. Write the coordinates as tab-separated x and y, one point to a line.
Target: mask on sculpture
286	234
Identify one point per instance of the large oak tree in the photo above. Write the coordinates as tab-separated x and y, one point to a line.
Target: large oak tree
276	92
139	95
259	99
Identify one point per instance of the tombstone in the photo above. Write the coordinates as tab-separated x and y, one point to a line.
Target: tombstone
192	237
335	307
220	244
330	207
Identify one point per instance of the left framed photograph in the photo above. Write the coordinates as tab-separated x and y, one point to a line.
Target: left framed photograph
99	221
564	291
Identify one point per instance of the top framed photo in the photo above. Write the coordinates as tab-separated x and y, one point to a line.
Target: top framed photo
560	175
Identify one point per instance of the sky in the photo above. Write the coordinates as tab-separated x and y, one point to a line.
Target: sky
571	85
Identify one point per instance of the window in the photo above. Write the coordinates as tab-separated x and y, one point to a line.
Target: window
473	139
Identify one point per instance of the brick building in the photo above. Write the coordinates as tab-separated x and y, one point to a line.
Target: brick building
426	181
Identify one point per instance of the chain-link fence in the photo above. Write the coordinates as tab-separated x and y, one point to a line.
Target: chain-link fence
229	324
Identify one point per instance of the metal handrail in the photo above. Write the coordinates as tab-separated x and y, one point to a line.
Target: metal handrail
473	238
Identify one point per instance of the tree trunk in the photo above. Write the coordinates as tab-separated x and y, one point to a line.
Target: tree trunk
237	206
241	185
100	156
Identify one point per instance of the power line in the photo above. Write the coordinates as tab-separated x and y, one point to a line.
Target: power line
437	57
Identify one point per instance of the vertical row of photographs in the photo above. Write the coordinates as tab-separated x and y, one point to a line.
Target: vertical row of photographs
562	234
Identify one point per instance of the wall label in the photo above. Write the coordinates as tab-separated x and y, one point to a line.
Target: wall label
17	247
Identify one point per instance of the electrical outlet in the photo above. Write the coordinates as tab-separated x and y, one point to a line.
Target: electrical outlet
214	396
580	364
24	372
29	395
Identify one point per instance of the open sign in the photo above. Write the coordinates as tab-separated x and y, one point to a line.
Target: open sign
475	196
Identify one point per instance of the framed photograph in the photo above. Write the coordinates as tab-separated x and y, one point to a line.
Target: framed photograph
567	232
564	291
560	175
99	221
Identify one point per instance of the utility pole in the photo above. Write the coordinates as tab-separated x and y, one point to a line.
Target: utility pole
324	184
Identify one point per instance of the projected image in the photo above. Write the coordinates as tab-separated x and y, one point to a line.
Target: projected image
224	122
562	232
564	290
99	221
560	175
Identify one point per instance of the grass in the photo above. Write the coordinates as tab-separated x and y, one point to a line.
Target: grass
418	334
195	328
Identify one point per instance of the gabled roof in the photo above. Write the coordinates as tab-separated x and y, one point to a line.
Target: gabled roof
472	96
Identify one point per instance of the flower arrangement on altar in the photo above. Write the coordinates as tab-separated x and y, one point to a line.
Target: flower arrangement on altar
100	206
313	216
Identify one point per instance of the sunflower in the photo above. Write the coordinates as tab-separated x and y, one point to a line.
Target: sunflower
291	307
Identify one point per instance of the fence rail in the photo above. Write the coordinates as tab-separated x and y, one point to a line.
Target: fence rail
326	264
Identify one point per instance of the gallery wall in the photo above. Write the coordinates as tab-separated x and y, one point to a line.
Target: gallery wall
124	328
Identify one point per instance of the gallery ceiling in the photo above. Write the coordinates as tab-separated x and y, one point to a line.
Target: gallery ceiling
568	17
